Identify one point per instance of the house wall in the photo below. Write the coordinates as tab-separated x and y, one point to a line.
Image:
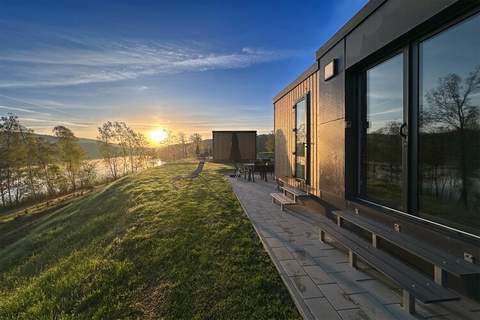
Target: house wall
382	26
393	19
285	136
222	145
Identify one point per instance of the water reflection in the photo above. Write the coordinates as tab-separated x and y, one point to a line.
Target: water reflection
449	140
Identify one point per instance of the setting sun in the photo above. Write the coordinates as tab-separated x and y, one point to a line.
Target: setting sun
158	136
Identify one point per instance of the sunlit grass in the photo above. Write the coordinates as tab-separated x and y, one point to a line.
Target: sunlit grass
140	248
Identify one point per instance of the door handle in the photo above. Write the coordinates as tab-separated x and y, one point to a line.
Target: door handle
402	128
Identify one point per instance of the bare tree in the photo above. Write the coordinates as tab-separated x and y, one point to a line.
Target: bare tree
12	157
196	139
121	140
44	152
108	149
270	142
70	152
182	139
450	108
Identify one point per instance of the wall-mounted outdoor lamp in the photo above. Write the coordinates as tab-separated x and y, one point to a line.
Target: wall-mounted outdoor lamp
330	69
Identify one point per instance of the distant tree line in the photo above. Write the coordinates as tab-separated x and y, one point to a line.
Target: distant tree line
180	146
33	167
123	150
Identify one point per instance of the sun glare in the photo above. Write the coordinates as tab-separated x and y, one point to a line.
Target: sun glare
158	136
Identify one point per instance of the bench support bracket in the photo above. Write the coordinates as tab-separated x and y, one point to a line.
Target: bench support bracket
374	240
339	220
322	235
352	259
408	302
438	275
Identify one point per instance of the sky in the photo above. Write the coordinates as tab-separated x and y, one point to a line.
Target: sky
191	66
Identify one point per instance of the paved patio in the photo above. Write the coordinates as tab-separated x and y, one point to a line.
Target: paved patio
318	275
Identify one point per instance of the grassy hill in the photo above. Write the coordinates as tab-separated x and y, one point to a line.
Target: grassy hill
140	248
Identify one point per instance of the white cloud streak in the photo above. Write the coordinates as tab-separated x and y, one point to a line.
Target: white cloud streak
21	109
56	122
60	62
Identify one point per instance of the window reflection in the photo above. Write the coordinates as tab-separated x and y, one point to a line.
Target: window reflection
449	128
300	139
382	145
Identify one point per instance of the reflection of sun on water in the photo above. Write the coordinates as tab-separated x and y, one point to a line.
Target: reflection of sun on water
158	136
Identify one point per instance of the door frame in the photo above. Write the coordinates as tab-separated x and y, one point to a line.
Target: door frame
306	98
409	118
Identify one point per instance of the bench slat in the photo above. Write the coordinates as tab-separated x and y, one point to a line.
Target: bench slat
406	277
296	192
453	265
283	199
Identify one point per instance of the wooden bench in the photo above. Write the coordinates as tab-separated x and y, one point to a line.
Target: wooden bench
441	261
414	284
282	199
294	192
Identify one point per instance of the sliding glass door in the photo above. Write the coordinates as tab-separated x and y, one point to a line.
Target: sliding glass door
419	129
381	164
449	126
301	139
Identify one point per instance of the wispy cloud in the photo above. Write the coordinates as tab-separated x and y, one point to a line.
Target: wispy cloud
19	109
63	60
56	122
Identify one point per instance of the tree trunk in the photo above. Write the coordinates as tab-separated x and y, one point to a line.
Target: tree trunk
463	168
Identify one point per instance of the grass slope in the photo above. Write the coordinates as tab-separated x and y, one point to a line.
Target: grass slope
140	248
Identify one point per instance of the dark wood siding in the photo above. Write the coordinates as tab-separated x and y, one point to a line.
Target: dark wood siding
222	145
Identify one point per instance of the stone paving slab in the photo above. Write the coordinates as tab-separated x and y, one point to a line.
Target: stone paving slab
321	282
321	309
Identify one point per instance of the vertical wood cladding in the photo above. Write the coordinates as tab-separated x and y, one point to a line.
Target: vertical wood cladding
327	129
285	136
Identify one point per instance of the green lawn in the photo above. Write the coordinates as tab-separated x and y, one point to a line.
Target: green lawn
139	248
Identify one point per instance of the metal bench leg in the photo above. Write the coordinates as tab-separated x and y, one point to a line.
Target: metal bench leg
438	275
408	302
352	259
374	240
281	206
339	221
322	235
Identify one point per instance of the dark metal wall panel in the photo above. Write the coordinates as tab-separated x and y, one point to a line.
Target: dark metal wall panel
332	91
388	22
361	15
331	153
222	145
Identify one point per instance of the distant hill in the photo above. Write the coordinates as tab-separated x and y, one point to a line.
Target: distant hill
90	146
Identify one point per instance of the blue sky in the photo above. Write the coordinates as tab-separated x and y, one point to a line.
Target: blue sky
191	66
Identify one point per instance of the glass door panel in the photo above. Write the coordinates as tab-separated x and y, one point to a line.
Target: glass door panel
301	139
449	127
382	145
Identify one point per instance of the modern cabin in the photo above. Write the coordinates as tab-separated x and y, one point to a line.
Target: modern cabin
234	146
386	123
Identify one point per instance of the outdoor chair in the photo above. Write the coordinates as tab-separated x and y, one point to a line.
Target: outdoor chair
191	176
